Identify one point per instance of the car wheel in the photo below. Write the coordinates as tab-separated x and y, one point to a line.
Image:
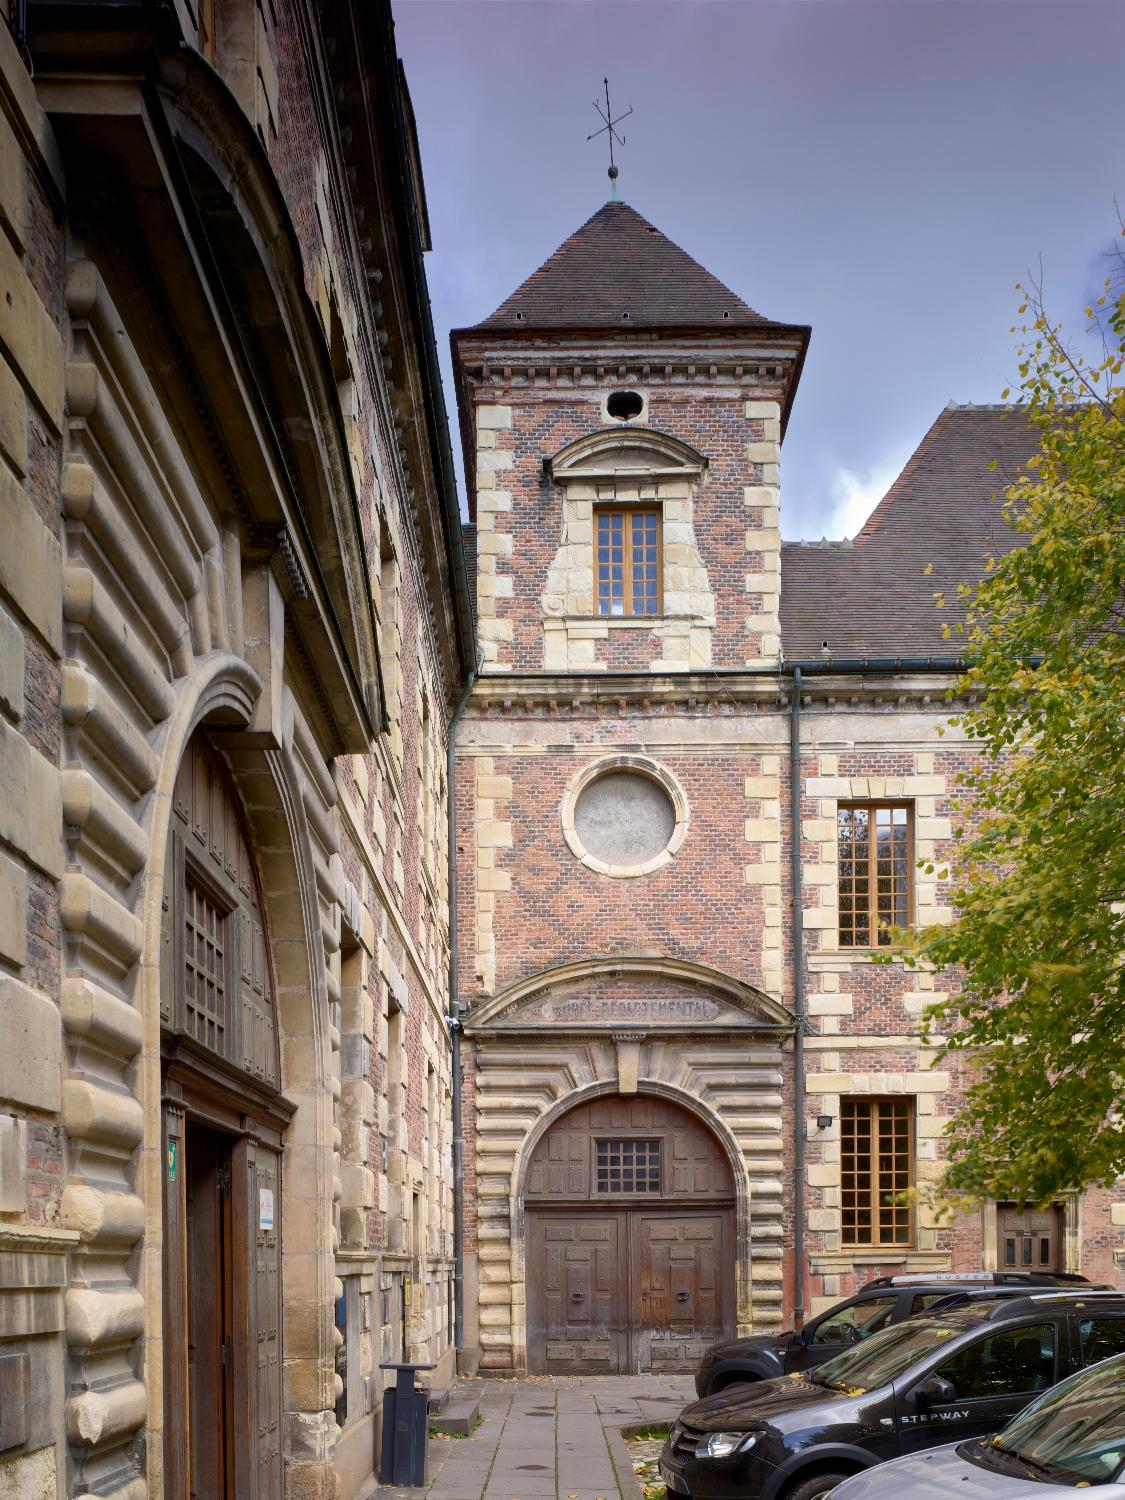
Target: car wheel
815	1487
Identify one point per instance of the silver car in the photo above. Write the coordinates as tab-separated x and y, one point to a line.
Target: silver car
1072	1437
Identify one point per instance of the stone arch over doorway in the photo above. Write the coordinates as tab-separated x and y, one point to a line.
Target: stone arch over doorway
617	1026
624	1234
270	781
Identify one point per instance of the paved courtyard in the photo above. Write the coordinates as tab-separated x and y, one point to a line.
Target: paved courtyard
547	1438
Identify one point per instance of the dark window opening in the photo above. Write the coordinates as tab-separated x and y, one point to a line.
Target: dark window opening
623	406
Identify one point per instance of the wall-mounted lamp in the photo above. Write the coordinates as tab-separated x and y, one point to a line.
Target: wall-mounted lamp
823	1122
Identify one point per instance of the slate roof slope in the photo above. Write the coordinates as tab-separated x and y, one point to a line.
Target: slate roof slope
619	263
872	596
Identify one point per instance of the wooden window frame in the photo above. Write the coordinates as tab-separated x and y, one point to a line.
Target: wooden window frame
877	934
896	1105
630	513
650	1161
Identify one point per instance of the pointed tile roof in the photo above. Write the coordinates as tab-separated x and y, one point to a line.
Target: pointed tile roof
619	271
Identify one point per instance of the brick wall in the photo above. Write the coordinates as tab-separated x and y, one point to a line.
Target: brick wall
721	542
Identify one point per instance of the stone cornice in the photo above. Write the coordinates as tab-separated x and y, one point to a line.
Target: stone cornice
500	694
36	1239
760	363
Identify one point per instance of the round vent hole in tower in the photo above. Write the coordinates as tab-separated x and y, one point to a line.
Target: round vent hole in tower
623	818
623	406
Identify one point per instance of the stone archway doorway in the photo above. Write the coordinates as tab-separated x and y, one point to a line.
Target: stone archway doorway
224	1122
630	1220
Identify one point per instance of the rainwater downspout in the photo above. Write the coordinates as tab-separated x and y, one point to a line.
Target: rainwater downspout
799	1001
454	1019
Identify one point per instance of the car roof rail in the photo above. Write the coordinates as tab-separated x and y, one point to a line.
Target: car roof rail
972	1278
956	1296
1044	1297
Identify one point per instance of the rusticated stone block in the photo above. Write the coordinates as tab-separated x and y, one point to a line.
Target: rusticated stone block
31	1056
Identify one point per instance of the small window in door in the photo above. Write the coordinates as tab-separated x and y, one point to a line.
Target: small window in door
1012	1363
855	1322
627	1166
1101	1337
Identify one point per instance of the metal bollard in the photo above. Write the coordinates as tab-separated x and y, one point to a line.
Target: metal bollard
405	1428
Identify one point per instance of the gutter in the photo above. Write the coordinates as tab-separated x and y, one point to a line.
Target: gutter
820	666
876	665
454	1019
797	895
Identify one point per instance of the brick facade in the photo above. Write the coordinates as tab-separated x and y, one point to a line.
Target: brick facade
578	982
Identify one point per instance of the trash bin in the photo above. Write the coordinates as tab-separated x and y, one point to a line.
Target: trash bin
405	1428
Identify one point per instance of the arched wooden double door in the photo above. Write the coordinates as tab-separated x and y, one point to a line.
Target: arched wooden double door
224	1121
630	1258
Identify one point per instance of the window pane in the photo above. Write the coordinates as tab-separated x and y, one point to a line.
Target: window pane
873	873
1004	1364
627	1166
627	543
1100	1338
848	1325
876	1166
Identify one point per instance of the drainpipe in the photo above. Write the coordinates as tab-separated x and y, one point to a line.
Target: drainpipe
799	1001
454	1020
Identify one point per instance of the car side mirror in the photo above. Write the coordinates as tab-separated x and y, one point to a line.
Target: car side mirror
933	1392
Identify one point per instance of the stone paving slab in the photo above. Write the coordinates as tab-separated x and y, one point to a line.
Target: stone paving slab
547	1438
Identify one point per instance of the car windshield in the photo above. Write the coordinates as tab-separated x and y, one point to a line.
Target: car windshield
884	1356
1077	1430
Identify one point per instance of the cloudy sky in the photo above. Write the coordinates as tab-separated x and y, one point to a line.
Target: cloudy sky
883	171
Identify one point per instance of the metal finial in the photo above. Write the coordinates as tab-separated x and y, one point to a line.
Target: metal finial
608	129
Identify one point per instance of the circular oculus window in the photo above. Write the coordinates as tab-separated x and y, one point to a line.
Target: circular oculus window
623	406
624	816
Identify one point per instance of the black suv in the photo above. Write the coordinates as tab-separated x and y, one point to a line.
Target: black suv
888	1299
937	1378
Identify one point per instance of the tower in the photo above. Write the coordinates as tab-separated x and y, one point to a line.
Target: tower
618	787
622	414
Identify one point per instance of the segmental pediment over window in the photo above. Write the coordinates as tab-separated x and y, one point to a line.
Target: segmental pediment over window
646	993
619	452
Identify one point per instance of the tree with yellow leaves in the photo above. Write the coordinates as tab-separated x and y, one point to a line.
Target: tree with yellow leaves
1038	938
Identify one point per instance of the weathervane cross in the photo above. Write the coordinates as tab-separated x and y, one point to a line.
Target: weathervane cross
608	128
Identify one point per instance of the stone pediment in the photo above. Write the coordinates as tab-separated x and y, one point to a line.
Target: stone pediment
621	452
643	994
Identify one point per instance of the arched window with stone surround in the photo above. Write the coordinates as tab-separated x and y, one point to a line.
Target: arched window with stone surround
218	988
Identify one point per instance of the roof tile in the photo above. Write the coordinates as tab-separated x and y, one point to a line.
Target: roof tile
872	596
619	264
